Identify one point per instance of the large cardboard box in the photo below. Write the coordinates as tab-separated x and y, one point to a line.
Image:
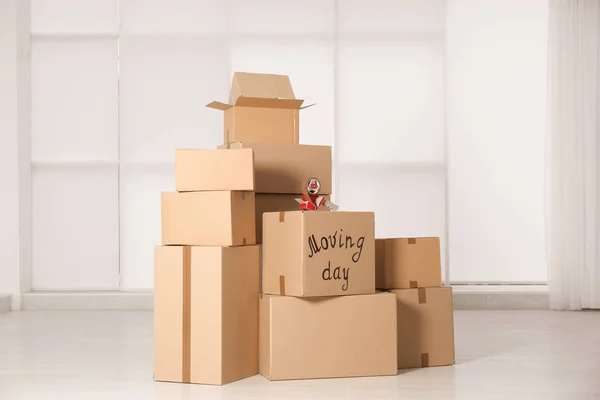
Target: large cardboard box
267	202
307	253
285	168
425	327
203	170
327	337
408	263
261	108
219	218
205	314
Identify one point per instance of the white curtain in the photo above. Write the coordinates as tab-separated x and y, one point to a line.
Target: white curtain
572	221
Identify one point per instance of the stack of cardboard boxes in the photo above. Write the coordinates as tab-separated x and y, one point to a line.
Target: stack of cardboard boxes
411	269
263	114
318	314
206	279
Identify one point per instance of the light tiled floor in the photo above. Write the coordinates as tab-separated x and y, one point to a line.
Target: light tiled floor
108	355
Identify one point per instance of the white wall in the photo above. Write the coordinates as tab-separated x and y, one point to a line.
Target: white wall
496	77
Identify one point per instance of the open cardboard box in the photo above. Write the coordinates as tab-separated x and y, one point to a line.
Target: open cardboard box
261	108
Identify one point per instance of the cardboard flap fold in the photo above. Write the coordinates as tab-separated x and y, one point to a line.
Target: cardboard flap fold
272	86
310	105
218	105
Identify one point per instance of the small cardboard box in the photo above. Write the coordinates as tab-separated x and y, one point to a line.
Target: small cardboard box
205	314
267	202
425	327
261	108
203	170
219	218
408	263
327	337
307	253
285	168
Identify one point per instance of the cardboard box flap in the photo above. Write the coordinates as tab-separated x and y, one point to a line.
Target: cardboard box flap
260	103
268	86
268	103
218	105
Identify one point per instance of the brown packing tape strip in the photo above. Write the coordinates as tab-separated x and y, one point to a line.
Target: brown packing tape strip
282	285
281	216
413	284
244	241
412	241
422	295
187	283
243	195
424	359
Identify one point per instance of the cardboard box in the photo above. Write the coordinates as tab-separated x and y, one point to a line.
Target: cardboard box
425	327
327	337
311	253
261	108
203	170
266	202
205	314
408	263
285	168
219	218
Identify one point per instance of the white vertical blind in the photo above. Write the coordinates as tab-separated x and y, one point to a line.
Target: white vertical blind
75	228
119	84
496	127
390	116
174	59
176	56
91	17
75	225
74	99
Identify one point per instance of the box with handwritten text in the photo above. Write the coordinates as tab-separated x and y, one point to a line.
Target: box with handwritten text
205	313
308	254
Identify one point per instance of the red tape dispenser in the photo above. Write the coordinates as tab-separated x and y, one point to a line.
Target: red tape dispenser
310	197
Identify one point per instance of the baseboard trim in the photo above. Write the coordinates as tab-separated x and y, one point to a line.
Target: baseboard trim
465	297
500	297
5	303
87	301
